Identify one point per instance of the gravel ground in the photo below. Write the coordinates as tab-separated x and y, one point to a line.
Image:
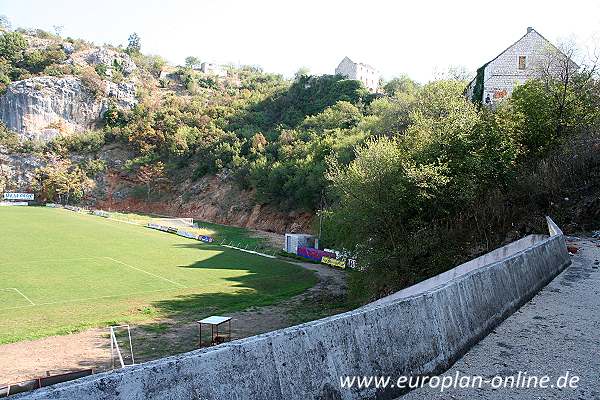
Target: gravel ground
556	332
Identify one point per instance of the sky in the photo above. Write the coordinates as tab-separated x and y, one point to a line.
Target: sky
420	38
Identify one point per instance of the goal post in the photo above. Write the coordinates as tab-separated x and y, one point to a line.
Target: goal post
115	347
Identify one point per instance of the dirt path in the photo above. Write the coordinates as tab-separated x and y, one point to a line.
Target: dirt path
91	349
29	359
321	300
332	284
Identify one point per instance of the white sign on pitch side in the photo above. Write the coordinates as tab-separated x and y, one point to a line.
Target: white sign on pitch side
18	196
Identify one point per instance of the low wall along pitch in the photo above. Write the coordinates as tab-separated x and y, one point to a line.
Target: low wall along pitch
420	330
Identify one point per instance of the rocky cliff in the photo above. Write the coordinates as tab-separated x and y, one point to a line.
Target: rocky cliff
18	169
43	107
211	198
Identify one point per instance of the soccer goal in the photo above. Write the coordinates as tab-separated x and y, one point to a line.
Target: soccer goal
120	338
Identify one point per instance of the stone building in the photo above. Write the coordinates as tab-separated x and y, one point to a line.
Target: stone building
213	69
529	57
368	75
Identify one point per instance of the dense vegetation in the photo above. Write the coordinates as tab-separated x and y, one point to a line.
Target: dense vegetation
272	135
455	179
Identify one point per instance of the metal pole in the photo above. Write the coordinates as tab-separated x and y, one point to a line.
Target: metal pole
130	345
112	350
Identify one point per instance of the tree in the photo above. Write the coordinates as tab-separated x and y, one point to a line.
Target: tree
4	178
258	143
5	23
391	116
342	114
398	190
563	100
568	86
37	60
151	175
455	73
134	45
62	181
402	84
12	46
192	62
302	71
58	29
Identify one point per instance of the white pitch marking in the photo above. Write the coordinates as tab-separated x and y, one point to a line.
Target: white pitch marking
19	292
146	272
26	298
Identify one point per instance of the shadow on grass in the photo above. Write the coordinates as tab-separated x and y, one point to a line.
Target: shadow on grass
261	282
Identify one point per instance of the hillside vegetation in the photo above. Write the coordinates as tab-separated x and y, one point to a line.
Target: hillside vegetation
409	181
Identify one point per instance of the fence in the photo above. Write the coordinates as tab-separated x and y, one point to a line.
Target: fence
314	254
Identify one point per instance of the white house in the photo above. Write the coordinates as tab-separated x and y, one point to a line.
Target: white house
368	75
213	69
527	58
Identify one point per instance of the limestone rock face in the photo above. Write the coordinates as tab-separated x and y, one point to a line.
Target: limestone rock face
42	108
18	169
122	94
110	59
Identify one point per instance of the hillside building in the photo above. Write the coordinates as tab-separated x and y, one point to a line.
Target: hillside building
365	73
529	57
213	69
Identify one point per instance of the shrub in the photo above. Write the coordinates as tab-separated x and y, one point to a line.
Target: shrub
12	46
87	142
37	60
91	80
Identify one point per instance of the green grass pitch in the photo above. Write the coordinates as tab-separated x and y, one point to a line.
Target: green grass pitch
61	272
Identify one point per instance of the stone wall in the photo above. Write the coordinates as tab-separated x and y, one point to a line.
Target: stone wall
422	331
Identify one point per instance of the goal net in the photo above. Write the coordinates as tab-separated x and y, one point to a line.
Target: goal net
121	350
174	222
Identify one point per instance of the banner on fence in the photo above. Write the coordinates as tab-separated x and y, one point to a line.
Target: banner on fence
14	203
158	226
314	254
206	239
187	234
180	232
101	213
18	196
333	262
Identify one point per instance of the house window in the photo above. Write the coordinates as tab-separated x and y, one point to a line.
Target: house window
522	63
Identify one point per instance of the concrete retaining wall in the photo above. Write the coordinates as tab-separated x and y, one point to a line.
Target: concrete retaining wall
421	330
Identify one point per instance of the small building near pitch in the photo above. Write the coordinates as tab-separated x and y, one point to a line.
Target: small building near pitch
295	240
365	73
532	56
